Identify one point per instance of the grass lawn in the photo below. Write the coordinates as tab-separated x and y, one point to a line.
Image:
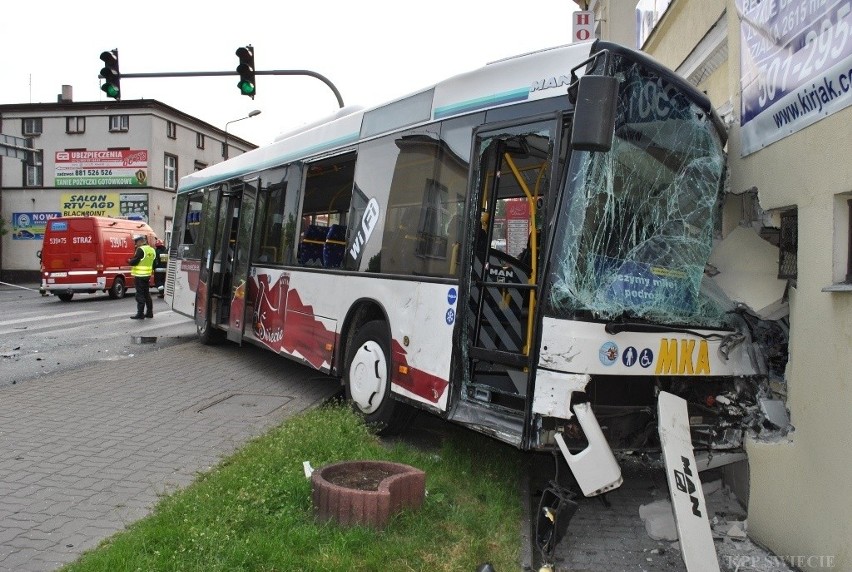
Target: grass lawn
253	512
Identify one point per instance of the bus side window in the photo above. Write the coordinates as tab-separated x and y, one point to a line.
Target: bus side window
274	235
189	247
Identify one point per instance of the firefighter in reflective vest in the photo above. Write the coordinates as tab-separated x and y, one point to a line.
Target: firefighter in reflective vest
143	266
160	263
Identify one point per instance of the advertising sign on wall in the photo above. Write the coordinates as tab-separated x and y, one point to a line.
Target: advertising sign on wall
30	226
796	66
118	205
110	168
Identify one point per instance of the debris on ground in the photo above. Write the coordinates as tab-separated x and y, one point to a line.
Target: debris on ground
729	525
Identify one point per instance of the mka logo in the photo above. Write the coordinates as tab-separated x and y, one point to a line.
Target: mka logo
678	358
685	484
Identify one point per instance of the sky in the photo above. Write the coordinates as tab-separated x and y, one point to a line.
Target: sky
372	51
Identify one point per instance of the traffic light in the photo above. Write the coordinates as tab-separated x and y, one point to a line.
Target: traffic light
246	70
111	75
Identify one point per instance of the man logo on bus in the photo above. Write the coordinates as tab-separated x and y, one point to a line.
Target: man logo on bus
368	222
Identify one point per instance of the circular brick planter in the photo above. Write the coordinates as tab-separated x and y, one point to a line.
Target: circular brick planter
366	493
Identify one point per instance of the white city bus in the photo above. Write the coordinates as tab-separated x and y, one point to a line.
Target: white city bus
519	249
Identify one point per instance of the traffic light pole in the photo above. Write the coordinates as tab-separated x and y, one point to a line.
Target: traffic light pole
310	73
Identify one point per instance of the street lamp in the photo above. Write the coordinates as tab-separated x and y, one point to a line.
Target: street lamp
252	113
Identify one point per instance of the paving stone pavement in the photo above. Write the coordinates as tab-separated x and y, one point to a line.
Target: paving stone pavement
86	452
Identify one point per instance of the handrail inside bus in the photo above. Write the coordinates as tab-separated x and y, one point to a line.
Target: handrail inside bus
533	245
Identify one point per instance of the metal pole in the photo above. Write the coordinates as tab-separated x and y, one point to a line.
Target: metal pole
310	73
252	113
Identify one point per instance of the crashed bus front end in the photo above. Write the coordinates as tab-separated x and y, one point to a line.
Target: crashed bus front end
629	310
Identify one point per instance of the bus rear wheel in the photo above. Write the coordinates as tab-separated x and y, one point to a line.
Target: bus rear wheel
65	296
368	381
208	335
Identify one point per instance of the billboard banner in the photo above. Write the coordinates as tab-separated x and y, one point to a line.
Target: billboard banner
30	226
132	206
109	168
796	66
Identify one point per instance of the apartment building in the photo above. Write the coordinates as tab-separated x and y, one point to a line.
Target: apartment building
107	158
779	73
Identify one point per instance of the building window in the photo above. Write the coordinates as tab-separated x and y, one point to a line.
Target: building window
170	172
75	125
199	140
199	165
119	122
849	246
31	126
171	129
34	170
788	245
225	150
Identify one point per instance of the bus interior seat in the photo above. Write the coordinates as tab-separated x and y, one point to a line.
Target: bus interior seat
335	246
311	245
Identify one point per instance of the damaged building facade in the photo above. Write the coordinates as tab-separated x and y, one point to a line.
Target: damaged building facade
780	76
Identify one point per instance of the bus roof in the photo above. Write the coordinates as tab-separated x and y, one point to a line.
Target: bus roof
536	75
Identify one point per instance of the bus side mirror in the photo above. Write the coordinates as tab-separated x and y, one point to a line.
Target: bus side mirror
594	113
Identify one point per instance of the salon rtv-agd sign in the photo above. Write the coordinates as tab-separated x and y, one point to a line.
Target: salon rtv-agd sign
796	66
106	168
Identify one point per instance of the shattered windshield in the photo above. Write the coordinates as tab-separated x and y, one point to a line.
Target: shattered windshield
636	225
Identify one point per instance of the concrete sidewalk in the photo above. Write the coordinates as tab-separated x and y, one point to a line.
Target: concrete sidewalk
86	452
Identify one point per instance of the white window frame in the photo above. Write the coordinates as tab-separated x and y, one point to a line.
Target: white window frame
34	173
171	129
170	171
75	124
119	122
31	126
199	140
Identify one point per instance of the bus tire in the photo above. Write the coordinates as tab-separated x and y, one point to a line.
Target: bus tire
65	296
368	381
208	335
117	288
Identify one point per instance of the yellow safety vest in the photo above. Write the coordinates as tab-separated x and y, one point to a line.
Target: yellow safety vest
144	267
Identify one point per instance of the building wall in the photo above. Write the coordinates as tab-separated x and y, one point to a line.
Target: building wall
800	495
147	130
613	23
681	29
801	489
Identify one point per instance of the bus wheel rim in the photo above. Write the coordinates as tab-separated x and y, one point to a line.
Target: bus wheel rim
368	377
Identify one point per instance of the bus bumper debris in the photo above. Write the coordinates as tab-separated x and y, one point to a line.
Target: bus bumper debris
595	467
690	508
555	510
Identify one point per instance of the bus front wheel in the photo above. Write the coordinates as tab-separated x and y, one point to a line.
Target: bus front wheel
368	380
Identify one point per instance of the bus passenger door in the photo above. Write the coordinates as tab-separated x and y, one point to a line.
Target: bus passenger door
213	295
209	273
508	206
243	222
